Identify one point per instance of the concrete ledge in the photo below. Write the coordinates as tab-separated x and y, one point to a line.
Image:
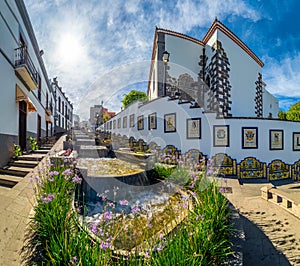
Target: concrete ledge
282	199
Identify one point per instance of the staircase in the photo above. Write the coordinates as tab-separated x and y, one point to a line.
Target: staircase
16	170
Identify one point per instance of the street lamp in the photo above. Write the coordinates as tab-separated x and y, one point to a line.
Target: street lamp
165	59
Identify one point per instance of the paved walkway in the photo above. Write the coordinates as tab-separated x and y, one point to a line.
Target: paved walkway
16	205
272	235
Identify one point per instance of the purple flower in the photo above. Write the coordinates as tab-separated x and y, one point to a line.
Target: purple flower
159	248
50	179
52	173
192	185
95	228
147	255
104	245
48	198
108	215
123	202
135	209
73	260
76	179
223	190
67	172
110	204
185	205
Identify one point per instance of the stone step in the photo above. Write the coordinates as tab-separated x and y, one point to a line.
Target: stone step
9	181
24	163
40	151
31	157
45	148
13	170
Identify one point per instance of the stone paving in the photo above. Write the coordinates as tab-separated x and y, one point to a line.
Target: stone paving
272	235
15	208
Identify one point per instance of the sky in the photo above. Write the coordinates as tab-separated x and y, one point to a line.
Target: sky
100	49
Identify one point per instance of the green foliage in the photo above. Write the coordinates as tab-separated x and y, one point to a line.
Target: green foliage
33	143
133	96
162	170
293	113
17	150
282	115
106	117
202	239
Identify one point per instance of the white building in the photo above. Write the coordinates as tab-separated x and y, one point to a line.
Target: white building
209	97
63	110
27	98
222	69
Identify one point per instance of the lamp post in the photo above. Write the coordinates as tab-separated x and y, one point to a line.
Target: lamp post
165	59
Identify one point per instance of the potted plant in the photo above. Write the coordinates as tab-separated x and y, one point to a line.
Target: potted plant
17	150
33	143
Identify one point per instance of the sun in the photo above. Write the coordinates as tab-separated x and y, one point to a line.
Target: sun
70	49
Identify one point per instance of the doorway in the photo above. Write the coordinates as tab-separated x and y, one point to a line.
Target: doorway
22	124
39	128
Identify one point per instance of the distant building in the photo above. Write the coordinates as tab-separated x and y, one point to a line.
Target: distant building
76	121
96	116
110	114
63	110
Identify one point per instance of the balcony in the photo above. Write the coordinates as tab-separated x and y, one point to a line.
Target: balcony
25	68
48	111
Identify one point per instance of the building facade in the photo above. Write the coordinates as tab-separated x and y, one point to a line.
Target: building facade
63	116
213	72
208	98
27	99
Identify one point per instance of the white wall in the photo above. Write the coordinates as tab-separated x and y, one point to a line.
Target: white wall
162	106
9	41
184	56
243	74
270	104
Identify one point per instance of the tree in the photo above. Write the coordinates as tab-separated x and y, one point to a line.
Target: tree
293	113
133	96
282	115
106	117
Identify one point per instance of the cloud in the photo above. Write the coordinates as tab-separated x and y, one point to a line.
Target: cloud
282	76
112	34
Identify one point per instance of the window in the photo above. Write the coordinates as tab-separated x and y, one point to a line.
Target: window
59	104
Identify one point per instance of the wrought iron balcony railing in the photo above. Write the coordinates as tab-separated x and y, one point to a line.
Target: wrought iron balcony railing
25	67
